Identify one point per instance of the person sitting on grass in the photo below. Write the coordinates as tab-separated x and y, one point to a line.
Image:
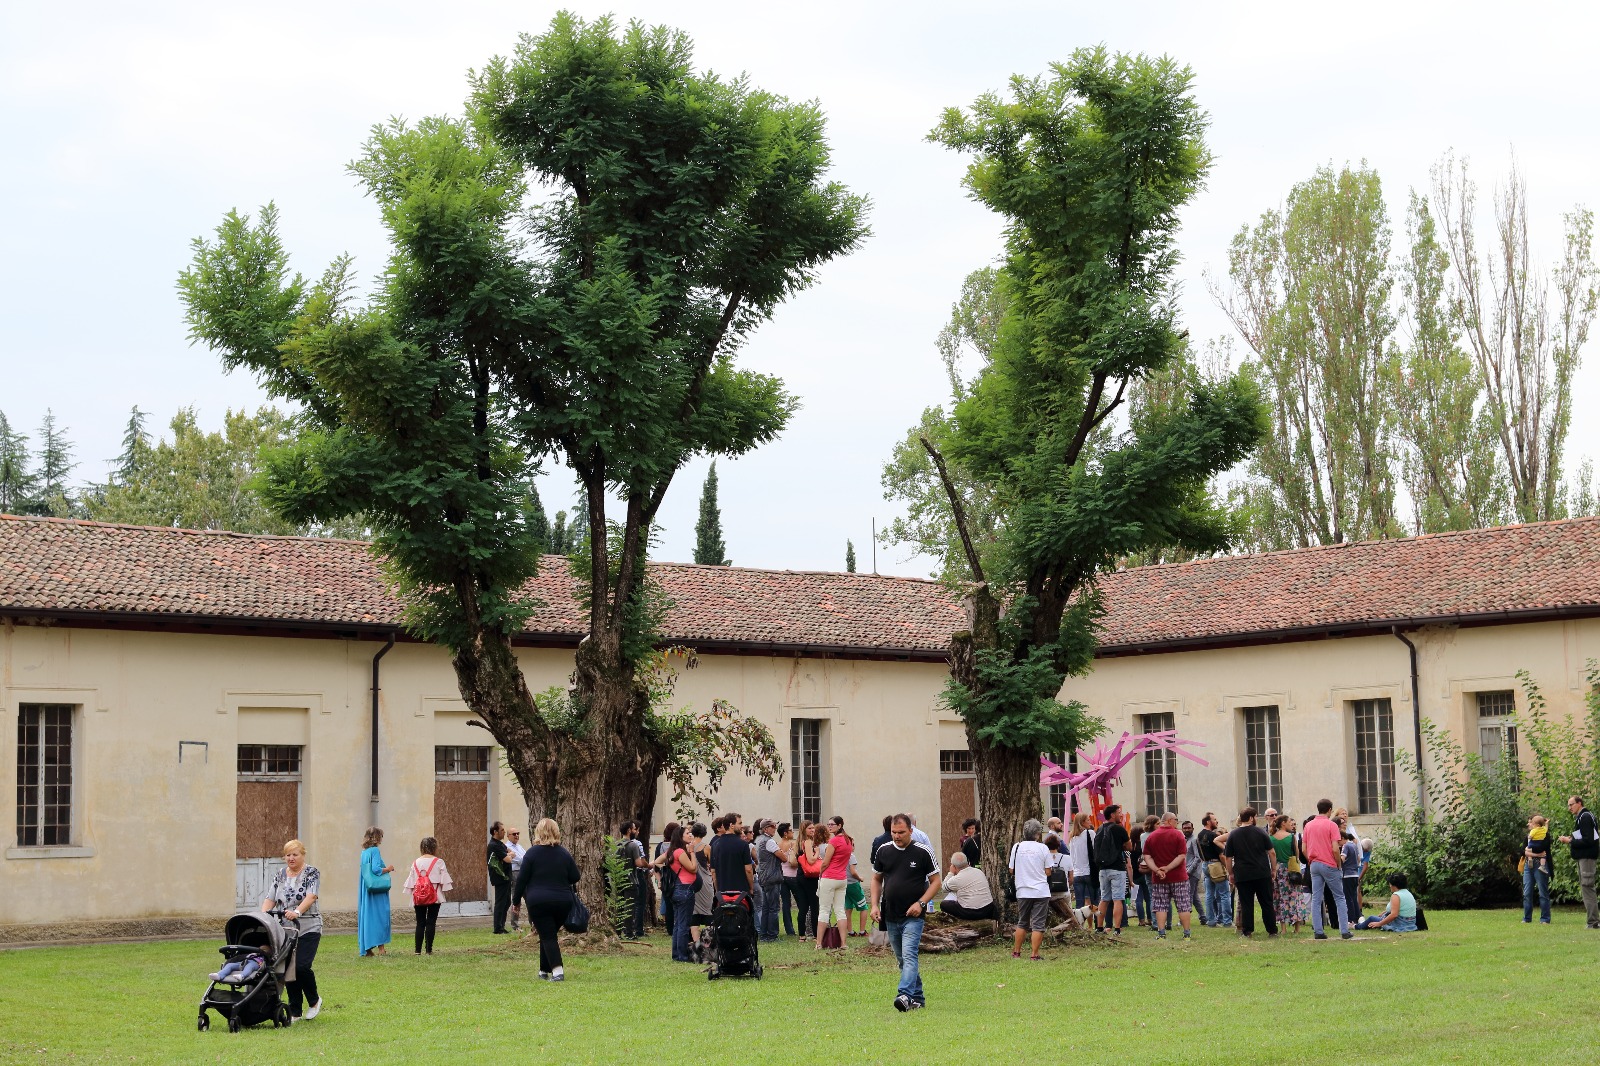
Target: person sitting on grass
1401	917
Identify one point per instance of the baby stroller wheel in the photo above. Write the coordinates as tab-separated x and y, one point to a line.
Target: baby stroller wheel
204	1023
282	1021
233	1025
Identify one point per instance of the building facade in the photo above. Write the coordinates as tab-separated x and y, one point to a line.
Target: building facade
175	705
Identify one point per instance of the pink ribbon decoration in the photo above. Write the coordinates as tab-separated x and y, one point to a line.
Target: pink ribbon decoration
1101	769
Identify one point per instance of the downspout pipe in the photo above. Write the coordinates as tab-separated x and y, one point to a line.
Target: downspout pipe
1416	716
376	689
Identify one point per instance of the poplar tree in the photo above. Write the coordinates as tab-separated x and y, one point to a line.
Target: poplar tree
1089	168
708	547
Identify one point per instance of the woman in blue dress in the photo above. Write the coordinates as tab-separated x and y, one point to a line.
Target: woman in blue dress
372	914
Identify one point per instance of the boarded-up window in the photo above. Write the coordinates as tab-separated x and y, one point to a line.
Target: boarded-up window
958	798
461	818
267	805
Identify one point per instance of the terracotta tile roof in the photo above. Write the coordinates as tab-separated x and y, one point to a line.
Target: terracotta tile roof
70	567
1510	572
64	567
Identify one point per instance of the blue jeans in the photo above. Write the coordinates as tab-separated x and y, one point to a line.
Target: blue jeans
1325	878
1142	906
767	920
1085	889
682	912
905	939
1219	902
1198	894
1535	878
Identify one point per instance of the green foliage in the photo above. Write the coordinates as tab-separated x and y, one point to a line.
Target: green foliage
849	557
1090	167
17	480
1463	851
1311	285
709	550
538	523
618	877
702	747
1566	763
200	480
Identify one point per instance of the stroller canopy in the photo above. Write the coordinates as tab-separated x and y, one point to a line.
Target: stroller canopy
261	931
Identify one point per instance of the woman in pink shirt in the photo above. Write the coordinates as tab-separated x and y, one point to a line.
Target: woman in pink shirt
835	858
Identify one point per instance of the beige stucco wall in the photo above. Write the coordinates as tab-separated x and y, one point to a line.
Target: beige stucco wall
154	837
1313	683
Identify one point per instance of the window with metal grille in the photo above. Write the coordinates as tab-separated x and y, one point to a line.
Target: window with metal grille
1160	767
1497	734
1374	720
1263	758
454	760
955	761
44	775
269	760
805	769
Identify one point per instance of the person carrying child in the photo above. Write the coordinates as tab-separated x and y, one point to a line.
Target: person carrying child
1536	869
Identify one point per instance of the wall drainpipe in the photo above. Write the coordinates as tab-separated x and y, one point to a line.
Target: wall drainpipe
1416	716
376	688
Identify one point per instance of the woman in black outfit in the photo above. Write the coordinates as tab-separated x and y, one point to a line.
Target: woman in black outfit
545	885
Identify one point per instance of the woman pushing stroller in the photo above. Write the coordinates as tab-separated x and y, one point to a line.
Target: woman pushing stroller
295	890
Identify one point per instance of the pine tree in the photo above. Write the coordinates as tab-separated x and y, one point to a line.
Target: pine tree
16	480
708	547
538	524
849	557
51	496
135	448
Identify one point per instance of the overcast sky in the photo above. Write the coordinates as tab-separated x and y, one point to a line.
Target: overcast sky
130	129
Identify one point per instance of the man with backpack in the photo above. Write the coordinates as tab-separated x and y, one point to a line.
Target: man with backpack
769	878
1585	850
1111	854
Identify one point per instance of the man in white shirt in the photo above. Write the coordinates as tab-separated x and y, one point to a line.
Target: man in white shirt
917	835
1030	863
969	898
517	851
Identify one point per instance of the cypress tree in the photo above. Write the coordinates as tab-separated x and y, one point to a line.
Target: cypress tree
538	524
708	547
849	557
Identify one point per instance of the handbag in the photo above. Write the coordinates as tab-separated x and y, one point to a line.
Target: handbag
831	940
374	882
577	920
1216	871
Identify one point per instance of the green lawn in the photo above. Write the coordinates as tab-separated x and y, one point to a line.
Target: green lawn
1481	987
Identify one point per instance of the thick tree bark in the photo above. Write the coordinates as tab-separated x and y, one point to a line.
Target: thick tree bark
590	782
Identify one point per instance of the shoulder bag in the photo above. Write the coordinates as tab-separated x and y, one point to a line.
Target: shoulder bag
373	882
577	920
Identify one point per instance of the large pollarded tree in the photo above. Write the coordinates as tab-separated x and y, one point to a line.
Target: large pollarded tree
1089	167
575	263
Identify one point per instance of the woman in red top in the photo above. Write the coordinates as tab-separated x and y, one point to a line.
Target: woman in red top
835	859
681	862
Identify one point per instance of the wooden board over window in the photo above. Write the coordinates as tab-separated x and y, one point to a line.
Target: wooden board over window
268	816
958	801
461	825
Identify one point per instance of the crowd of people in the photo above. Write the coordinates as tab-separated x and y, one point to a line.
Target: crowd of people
1099	872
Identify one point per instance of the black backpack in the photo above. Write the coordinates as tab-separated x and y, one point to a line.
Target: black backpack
1107	849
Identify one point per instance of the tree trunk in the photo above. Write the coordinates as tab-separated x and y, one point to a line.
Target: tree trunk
589	781
1008	778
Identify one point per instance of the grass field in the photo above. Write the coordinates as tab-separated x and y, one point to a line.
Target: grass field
1481	987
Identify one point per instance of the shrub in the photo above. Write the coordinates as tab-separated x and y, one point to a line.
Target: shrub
1463	851
617	874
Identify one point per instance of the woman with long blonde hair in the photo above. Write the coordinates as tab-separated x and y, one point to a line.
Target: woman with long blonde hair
1080	853
546	885
805	882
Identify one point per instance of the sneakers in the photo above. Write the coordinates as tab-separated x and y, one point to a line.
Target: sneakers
1161	934
916	1004
902	1003
1186	935
545	976
313	1010
557	977
216	976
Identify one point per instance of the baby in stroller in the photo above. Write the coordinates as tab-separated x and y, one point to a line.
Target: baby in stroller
240	971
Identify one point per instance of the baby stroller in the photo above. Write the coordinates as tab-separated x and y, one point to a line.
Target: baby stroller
734	951
259	998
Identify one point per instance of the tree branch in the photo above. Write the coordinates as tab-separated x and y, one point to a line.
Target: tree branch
956	508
